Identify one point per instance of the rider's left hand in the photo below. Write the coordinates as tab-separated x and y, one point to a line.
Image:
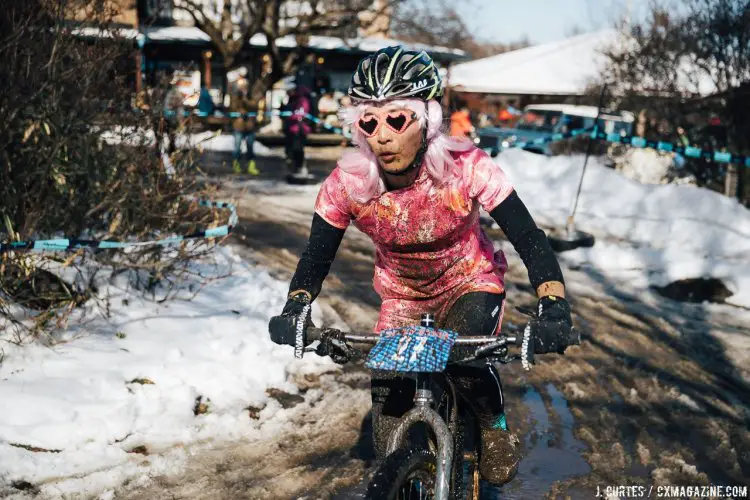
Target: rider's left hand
553	325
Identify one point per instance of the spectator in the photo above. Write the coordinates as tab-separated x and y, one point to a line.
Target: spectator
172	119
504	116
682	137
244	126
484	120
205	102
328	109
461	123
297	128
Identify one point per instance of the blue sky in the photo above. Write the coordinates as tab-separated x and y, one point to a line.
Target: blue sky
542	20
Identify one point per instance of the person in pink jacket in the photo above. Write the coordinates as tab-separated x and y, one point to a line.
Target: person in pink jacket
417	193
297	126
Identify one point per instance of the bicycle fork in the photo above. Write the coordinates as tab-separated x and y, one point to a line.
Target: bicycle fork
423	412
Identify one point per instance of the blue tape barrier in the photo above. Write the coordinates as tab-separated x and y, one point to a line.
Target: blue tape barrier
231	114
641	143
234	114
688	151
65	244
550	139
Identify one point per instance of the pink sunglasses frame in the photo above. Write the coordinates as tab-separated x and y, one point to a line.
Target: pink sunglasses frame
384	119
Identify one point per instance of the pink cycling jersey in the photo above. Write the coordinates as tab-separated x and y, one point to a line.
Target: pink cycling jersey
429	247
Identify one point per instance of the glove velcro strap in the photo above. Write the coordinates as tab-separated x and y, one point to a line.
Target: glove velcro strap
299	340
527	348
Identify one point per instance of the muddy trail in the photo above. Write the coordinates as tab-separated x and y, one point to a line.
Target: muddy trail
657	394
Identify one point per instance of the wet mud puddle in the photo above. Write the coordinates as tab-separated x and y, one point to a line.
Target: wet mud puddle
551	451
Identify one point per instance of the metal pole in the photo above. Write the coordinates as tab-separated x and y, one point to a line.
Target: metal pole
570	226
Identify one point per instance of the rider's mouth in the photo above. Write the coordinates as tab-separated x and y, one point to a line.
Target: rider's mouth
387	157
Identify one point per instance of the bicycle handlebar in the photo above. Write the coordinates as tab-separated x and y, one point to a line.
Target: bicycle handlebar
486	345
313	334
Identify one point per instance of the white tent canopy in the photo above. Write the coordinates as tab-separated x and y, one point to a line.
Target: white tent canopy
564	67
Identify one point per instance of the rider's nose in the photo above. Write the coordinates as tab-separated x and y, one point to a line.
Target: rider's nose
384	137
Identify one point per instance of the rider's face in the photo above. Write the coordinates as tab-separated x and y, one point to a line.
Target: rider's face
395	151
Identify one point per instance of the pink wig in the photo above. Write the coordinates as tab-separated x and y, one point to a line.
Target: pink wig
361	168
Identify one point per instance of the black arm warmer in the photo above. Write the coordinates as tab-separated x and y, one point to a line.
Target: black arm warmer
529	241
317	258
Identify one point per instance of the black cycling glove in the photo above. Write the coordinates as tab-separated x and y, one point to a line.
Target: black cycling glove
289	327
551	330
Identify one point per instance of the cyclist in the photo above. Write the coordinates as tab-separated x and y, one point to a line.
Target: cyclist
416	193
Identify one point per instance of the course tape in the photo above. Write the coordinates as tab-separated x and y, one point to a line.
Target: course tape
687	151
550	138
65	244
641	143
235	114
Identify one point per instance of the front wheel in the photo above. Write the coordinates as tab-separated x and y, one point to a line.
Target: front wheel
405	474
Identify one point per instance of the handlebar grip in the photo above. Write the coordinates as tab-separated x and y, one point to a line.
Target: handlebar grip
312	333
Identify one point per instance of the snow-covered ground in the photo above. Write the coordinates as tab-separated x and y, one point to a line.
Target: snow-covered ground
204	141
132	380
647	234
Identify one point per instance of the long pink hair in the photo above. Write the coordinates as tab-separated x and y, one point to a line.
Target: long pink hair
361	169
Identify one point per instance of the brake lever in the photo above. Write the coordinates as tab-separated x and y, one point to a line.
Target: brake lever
509	359
575	337
345	349
531	313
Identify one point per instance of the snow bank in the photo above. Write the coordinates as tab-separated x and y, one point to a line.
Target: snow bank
210	141
652	234
207	140
81	397
646	166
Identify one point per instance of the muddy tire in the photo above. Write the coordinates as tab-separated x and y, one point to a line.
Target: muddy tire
402	473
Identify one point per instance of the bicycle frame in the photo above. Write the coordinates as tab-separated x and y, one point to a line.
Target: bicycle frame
423	412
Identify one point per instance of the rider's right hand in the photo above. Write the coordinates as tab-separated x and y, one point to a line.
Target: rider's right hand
283	328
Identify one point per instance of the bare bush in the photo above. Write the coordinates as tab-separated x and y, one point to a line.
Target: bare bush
59	92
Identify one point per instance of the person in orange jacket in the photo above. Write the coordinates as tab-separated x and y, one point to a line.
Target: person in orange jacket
461	123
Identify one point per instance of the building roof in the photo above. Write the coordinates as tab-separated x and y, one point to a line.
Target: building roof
563	67
190	34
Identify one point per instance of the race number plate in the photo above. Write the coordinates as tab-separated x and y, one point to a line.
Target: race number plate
412	349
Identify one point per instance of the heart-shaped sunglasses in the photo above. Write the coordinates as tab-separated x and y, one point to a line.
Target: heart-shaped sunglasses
398	121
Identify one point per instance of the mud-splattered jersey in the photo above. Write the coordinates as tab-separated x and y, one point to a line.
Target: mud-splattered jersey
428	239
